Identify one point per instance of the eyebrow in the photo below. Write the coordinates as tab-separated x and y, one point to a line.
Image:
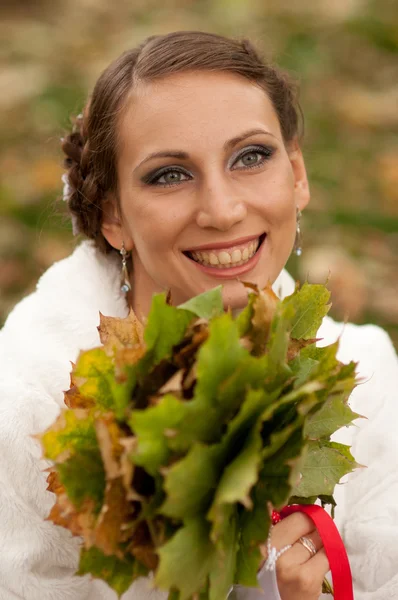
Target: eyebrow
229	144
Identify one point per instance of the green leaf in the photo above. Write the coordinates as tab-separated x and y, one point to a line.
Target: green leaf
279	336
224	564
119	574
303	368
257	403
251	373
300	397
191	482
254	526
72	432
122	393
280	472
165	328
218	358
244	319
74	440
96	368
278	439
186	560
310	303
240	475
333	415
326	359
83	476
237	478
324	465
207	305
151	426
93	363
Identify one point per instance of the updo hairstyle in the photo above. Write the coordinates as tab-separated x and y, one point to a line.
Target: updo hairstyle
91	148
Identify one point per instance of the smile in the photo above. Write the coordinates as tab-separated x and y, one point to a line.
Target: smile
228	257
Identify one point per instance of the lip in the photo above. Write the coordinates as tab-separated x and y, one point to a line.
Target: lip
219	245
232	272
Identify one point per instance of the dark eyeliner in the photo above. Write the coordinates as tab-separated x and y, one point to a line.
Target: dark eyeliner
266	152
151	177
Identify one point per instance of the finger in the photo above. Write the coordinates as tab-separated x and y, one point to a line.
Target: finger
318	564
290	529
299	554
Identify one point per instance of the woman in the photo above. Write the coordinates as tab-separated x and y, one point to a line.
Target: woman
186	158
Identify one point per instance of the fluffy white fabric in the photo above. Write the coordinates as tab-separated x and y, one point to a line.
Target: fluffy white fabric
48	329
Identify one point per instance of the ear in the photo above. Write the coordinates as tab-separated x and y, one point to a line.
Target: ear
301	187
112	227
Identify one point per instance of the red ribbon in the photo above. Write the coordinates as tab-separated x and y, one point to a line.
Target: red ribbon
333	544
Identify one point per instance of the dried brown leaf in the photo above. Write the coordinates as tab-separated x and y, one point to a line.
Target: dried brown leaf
174	384
108	436
74	399
142	546
295	346
264	308
64	513
108	532
127	467
121	333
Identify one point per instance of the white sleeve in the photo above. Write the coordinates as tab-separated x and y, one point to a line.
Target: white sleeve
369	523
267	590
38	559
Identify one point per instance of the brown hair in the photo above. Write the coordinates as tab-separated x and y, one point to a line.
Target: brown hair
91	148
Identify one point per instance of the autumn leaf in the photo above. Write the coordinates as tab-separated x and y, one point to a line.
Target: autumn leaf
179	437
116	333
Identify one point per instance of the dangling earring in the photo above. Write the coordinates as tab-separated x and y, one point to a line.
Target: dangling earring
297	243
126	286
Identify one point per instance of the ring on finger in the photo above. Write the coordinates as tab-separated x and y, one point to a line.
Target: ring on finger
308	545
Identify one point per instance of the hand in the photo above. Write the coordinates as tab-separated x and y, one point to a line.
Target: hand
299	574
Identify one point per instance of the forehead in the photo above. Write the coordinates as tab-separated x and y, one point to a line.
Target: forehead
198	108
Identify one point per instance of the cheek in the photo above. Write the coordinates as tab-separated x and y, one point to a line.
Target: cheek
276	200
155	228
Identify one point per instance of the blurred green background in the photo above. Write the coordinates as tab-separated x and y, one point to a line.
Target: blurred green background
344	53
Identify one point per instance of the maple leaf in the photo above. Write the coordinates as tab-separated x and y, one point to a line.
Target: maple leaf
264	308
179	437
116	333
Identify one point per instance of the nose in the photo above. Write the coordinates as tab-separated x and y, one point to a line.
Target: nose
220	206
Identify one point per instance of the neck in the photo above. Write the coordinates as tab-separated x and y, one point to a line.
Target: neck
142	290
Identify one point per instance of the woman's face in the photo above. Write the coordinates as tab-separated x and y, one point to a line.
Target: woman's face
208	190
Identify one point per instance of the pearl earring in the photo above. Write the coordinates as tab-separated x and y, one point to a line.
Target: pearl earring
126	286
297	243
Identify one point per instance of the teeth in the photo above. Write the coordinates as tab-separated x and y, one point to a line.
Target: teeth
236	256
213	259
224	259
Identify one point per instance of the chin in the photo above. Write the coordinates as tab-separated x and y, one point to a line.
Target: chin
235	296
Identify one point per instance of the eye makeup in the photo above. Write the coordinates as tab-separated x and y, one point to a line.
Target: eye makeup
152	178
265	151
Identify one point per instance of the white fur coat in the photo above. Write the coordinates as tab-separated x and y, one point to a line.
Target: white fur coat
48	329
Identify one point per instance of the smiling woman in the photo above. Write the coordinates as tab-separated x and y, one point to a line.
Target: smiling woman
200	142
186	162
212	192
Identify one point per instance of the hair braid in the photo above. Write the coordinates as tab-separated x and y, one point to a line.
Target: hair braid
84	201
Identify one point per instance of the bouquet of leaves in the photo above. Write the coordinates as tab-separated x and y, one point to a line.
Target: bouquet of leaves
179	436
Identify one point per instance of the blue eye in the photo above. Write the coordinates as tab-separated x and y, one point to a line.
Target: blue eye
167	177
253	157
